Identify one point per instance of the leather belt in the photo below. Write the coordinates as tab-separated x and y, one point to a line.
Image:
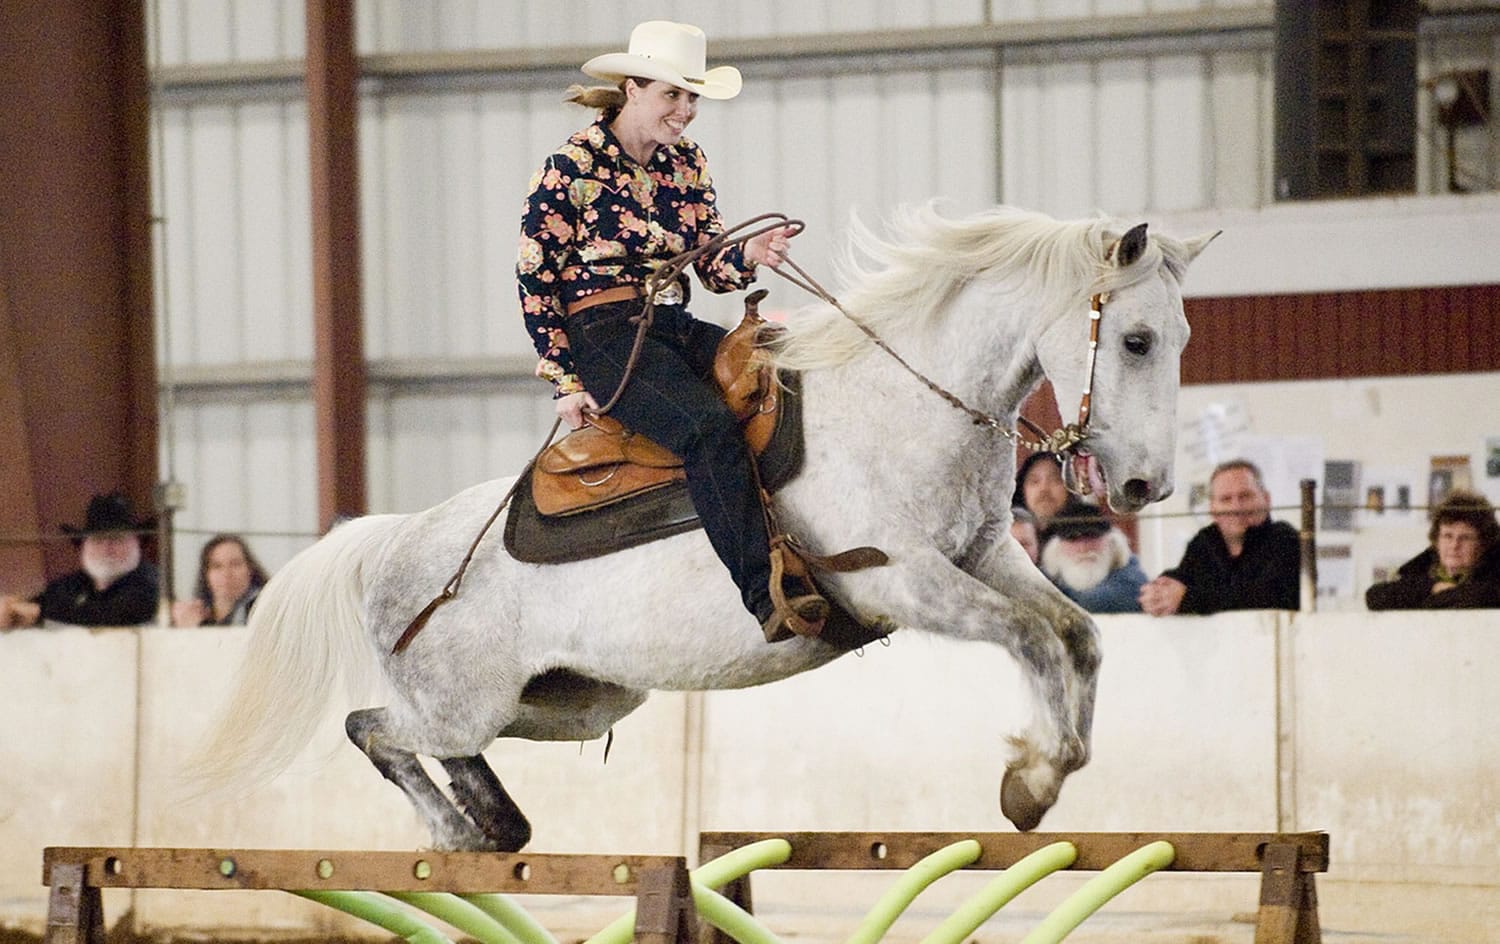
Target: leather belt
670	294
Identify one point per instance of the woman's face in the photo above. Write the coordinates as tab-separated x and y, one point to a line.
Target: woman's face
1043	489
1457	547
228	572
658	112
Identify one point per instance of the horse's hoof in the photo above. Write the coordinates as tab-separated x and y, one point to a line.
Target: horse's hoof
1018	803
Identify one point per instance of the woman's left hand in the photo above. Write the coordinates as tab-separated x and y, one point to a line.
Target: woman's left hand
770	247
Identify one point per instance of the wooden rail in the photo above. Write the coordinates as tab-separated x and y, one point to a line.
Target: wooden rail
1287	863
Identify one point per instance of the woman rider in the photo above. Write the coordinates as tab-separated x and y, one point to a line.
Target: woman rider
620	198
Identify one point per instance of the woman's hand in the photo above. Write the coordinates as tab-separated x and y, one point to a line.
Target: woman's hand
572	407
190	612
770	247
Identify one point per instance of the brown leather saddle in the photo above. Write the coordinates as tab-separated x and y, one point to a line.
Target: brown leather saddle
604	488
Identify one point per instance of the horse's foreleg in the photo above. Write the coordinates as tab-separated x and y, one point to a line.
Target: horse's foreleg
484	799
449	828
1004	568
1051	639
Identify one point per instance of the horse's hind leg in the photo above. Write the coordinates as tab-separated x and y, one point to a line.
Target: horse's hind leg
484	799
449	828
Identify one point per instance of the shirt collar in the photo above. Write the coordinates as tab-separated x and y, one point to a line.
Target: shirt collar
609	144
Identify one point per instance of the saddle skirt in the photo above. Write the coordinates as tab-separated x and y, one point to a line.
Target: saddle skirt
603	488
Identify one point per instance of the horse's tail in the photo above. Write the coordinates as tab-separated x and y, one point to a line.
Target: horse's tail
306	630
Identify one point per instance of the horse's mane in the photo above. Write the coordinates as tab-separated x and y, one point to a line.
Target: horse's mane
927	258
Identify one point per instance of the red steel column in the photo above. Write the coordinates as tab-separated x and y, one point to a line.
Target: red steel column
79	382
339	372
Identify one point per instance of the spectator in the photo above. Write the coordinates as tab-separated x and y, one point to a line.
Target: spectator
1243	561
1460	568
1023	529
1089	559
1039	487
113	586
229	579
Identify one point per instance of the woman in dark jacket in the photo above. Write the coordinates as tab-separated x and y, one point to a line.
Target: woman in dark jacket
1461	568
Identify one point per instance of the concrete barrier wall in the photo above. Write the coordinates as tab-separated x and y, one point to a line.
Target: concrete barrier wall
1376	728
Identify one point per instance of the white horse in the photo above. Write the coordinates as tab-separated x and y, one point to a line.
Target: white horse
986	307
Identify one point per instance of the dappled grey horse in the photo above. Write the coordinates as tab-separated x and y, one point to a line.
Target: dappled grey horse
985	306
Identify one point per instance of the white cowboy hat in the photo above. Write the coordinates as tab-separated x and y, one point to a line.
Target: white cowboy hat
671	52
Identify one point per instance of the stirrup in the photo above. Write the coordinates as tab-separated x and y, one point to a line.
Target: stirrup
801	616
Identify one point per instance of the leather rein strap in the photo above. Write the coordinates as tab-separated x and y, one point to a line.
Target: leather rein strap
1063	443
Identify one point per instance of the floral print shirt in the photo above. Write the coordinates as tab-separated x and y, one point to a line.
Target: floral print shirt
596	219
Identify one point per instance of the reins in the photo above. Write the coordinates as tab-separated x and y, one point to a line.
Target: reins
1063	442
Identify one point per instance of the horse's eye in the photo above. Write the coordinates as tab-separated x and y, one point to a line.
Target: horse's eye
1138	344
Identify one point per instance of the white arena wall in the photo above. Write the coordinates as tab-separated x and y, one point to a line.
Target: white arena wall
1377	729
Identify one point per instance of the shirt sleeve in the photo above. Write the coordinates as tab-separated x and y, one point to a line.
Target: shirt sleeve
726	270
548	224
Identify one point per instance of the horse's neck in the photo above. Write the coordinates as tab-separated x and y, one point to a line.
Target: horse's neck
873	409
982	349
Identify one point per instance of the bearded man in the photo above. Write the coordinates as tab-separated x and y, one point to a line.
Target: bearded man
114	585
1090	560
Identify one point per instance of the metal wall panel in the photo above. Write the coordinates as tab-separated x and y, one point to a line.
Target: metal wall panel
236	273
213	32
248	467
1127	135
398	26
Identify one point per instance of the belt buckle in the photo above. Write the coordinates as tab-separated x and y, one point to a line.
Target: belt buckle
669	294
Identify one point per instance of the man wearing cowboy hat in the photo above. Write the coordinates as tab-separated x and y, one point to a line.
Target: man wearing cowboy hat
113	586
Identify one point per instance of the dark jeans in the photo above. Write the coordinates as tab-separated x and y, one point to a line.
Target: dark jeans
671	398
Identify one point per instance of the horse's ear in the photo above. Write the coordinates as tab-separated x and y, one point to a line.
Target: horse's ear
1199	243
1131	245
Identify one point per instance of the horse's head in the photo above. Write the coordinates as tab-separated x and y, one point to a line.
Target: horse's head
1132	403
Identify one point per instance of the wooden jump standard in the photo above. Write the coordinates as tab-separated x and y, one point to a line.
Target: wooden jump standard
76	874
1286	862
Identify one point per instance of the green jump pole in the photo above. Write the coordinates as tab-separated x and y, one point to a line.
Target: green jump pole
1101	888
726	868
516	919
464	915
381	912
729	917
911	884
1023	874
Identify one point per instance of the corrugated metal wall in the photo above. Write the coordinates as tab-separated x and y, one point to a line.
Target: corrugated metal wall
1066	127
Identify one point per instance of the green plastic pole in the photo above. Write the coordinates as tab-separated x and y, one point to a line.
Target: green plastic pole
726	868
515	918
729	917
1100	889
466	916
379	911
1023	874
910	885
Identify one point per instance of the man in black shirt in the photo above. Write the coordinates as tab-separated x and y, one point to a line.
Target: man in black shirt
1243	561
114	585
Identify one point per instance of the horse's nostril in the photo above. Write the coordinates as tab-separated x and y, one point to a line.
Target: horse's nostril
1138	491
